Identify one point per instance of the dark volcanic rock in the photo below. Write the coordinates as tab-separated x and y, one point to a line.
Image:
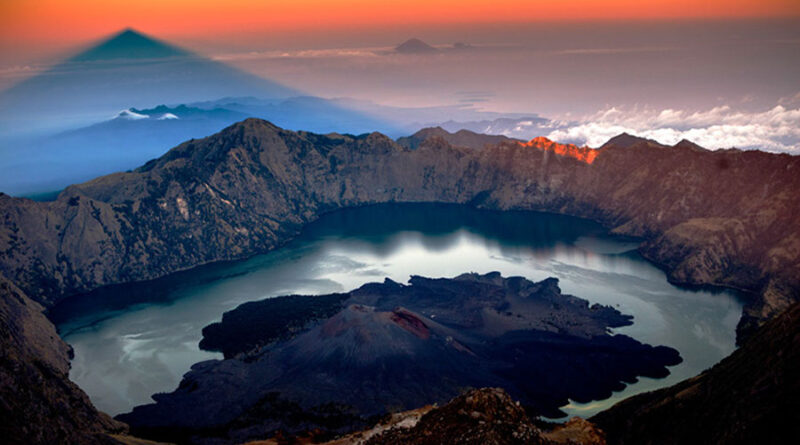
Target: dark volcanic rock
751	397
395	347
257	323
38	403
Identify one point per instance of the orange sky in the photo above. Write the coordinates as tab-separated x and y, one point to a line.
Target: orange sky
66	21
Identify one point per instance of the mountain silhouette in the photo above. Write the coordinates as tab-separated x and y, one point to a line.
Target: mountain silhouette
129	69
415	46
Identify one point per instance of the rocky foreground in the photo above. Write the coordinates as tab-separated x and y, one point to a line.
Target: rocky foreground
38	402
479	416
388	347
723	218
485	416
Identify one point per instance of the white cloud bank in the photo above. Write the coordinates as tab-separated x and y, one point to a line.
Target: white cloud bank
776	129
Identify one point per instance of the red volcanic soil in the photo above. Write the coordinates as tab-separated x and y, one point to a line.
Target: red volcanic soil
410	323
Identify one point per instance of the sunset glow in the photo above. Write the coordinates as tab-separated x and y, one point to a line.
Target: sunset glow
583	154
51	20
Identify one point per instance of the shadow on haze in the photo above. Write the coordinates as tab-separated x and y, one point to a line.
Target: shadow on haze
45	143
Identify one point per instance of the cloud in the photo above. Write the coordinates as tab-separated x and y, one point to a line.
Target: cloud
776	129
790	100
474	97
299	54
607	51
11	74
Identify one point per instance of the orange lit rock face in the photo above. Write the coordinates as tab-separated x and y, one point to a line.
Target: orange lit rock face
583	154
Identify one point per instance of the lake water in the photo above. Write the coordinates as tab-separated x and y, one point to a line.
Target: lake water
134	340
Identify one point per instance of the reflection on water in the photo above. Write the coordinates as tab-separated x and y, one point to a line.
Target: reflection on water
135	340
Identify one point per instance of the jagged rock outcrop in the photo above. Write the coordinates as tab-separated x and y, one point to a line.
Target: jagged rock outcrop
38	403
753	396
480	416
724	218
485	416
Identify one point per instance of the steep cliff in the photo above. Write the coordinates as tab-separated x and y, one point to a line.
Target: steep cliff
753	396
38	403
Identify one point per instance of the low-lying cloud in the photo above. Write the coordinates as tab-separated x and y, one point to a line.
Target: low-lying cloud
776	129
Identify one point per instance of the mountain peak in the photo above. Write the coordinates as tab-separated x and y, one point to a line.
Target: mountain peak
626	140
129	44
685	143
415	46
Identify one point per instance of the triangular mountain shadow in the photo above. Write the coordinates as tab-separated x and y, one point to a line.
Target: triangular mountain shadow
57	128
129	69
130	44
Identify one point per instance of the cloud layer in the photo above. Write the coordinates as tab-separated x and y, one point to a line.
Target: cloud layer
776	129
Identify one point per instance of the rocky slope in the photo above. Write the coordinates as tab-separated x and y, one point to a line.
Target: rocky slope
724	217
753	396
38	403
486	416
390	347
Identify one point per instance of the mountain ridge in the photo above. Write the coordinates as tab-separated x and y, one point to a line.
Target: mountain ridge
463	138
562	187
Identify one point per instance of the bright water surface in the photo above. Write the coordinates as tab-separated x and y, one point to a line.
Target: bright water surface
134	340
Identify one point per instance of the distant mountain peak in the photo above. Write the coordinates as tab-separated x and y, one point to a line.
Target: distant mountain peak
625	140
685	143
129	44
415	46
131	114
